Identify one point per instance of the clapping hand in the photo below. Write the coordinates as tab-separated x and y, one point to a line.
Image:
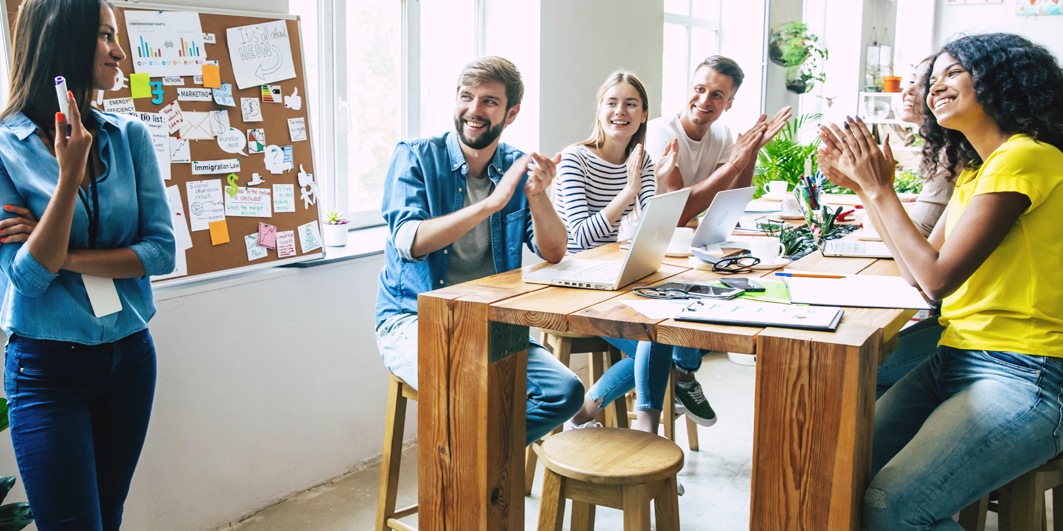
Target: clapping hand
541	174
634	168
775	125
855	154
666	165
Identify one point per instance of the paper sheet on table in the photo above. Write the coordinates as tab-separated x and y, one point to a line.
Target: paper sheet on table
757	207
859	291
658	309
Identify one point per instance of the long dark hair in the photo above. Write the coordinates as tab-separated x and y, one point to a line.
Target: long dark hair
1018	83
53	38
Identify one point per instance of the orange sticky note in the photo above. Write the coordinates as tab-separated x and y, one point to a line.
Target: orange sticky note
211	76
219	232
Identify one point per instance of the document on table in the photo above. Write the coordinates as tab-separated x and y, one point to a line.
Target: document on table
754	313
857	291
658	309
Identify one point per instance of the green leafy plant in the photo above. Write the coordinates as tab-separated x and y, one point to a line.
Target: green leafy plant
13	516
823	222
783	159
908	181
336	218
793	47
794	239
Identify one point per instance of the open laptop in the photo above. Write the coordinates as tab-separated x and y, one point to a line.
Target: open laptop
719	222
855	249
655	230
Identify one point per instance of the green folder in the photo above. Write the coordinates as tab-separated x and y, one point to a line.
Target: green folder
773	292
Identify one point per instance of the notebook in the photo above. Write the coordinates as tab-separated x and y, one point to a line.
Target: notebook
753	313
858	291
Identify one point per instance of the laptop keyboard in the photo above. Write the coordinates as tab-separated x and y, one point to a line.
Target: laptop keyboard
604	272
844	247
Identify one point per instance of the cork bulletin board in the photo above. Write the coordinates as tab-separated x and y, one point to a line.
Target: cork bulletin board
249	193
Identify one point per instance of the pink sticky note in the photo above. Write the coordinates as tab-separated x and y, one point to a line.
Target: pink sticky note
267	236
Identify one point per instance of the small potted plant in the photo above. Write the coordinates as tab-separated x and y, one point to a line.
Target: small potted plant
336	229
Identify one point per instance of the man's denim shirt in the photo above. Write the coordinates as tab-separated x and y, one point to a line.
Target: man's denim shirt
426	179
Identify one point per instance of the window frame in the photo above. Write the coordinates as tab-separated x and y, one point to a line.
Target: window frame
332	90
689	22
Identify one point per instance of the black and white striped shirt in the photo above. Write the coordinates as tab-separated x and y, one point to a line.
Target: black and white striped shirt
585	185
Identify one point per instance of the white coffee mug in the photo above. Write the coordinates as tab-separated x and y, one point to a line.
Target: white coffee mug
681	239
790	206
777	188
869	227
767	249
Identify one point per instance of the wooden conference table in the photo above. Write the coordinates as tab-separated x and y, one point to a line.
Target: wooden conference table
815	393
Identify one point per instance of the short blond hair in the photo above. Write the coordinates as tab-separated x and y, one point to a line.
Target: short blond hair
494	68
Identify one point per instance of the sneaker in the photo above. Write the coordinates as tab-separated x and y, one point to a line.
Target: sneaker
680	409
589	424
695	405
679	487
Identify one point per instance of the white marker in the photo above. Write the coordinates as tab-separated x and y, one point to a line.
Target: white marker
64	102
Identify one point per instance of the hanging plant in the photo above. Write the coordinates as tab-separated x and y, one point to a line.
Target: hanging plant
791	44
801	79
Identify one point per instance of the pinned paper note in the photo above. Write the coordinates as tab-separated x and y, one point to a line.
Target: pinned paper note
120	106
205	204
295	101
196	126
209	167
198	79
283	198
173	81
224	95
307	188
256	180
260	53
219	232
179	152
297	129
254	252
153	119
309	237
271	94
249	203
256	141
275	160
161	141
165	43
139	85
232	141
182	238
194	94
174	117
209	38
267	235
250	109
287	150
219	122
211	76
286	244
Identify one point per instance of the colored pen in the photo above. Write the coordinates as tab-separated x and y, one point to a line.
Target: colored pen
807	275
64	103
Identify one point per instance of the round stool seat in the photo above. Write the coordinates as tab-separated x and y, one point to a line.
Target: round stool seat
611	456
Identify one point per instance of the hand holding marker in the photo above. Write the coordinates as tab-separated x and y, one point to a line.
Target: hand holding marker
64	103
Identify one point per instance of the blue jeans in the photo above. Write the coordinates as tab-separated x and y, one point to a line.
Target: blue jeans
687	359
79	414
555	393
645	370
959	425
917	343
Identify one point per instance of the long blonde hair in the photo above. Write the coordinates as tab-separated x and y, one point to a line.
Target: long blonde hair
597	137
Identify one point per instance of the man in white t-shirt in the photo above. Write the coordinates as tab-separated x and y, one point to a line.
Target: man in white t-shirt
693	150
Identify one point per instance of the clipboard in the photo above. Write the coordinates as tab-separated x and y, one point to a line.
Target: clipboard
753	313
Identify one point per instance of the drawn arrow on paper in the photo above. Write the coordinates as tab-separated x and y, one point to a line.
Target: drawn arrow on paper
259	71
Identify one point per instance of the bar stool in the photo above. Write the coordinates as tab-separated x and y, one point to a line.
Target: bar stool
1020	505
622	469
394	426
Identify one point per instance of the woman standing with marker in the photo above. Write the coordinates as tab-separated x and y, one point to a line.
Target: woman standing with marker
80	364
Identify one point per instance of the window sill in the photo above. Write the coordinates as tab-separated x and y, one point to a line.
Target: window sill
360	244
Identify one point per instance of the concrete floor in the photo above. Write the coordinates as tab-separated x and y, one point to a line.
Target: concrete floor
717	478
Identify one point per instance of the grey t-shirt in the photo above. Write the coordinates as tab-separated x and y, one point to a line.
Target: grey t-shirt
470	256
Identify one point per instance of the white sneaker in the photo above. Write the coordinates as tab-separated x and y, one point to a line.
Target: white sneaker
589	424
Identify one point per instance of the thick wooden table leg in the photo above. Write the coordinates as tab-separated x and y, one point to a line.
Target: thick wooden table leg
471	415
815	407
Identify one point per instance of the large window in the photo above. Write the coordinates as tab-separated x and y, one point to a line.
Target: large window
691	33
373	83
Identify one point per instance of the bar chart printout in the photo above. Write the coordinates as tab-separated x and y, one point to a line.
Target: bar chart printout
166	43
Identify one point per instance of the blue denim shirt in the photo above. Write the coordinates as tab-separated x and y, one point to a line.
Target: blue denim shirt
426	179
134	213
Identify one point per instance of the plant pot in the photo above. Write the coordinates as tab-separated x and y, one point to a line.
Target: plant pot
335	234
798	80
891	84
777	46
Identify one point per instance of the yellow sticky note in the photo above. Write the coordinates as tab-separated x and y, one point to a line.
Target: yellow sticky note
140	85
219	232
211	76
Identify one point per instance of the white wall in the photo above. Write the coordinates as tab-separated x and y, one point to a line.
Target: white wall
522	47
584	41
968	19
742	39
264	389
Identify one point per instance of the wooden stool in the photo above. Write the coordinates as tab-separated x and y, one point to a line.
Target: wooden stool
602	355
622	469
386	515
1020	504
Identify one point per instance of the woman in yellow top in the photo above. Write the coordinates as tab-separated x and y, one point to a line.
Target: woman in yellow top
984	408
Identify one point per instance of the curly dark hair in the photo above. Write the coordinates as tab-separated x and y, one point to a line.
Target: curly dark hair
1018	83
